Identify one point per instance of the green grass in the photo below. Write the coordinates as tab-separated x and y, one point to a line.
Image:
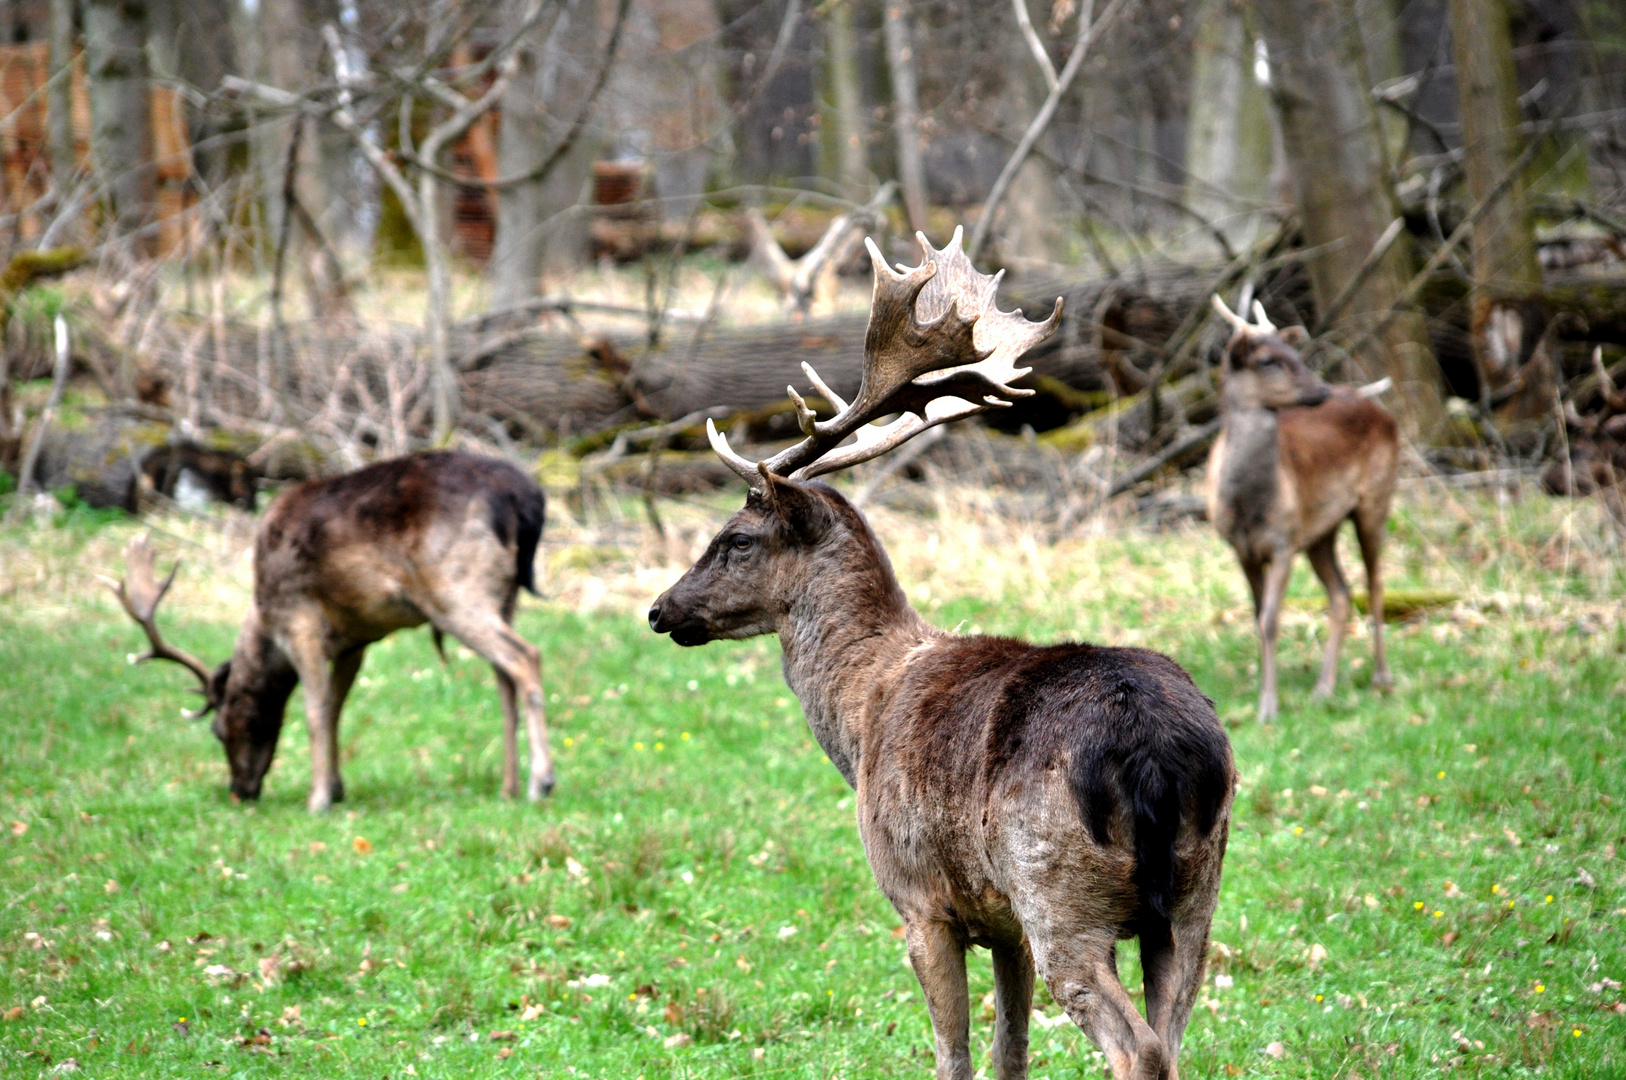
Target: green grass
705	856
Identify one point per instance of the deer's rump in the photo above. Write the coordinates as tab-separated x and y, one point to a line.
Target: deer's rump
405	498
1146	758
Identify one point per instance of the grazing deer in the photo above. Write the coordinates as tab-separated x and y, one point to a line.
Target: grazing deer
1294	458
443	538
1044	802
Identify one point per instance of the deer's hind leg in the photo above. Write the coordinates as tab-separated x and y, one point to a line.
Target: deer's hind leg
517	660
1013	1002
1324	560
1172	957
507	694
1369	523
937	953
1081	970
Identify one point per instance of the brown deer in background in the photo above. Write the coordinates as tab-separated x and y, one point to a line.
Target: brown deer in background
1044	802
443	538
1294	459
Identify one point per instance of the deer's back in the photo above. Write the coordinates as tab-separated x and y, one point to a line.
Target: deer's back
1344	454
1325	463
991	746
375	545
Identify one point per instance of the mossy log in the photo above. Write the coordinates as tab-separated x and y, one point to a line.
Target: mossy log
26	267
1398	604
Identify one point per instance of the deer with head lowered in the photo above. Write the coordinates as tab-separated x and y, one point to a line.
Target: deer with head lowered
1044	802
1294	459
443	538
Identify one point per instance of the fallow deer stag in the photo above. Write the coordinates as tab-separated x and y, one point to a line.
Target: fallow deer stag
443	538
1294	459
1044	802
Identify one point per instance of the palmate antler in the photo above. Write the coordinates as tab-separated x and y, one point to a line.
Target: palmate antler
937	349
140	593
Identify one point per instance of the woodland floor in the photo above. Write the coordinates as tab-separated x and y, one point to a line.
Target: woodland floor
1420	882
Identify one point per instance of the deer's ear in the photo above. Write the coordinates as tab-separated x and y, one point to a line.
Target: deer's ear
802	511
217	685
1295	337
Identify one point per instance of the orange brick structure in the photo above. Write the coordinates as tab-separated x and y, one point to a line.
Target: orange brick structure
25	172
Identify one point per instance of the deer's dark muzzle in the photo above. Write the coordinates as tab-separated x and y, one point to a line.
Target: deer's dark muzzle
685	629
1315	395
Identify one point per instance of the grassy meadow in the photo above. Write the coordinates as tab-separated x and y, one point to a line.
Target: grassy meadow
1418	883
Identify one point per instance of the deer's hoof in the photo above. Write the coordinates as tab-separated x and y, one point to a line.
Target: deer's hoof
319	802
1322	692
1382	680
1267	712
539	788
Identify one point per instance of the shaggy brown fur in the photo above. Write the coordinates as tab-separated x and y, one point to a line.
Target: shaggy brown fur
443	538
1294	459
1043	802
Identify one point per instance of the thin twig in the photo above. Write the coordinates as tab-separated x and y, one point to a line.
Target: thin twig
59	379
1088	31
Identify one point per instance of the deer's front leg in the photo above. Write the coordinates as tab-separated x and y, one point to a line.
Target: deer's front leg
937	954
343	677
1276	575
304	648
1013	1002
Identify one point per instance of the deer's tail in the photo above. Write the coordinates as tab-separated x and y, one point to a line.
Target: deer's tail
1164	758
531	511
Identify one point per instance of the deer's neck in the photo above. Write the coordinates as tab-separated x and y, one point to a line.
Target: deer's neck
1248	473
846	639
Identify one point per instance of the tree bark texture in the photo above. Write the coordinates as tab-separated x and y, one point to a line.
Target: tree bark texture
1336	156
539	223
193	44
293	56
64	151
121	109
843	113
900	57
664	102
1505	270
1229	127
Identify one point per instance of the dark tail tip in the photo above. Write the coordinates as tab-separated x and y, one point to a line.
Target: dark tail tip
1157	821
532	514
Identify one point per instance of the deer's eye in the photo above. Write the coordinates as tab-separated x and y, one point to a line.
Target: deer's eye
741	542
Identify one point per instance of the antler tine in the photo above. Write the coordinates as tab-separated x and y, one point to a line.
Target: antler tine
1261	319
818	384
745	470
140	594
1613	398
1238	323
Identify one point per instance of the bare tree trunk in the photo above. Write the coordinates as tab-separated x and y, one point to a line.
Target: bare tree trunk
121	109
1505	271
535	225
846	123
194	44
900	57
1228	128
292	55
64	153
1336	155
